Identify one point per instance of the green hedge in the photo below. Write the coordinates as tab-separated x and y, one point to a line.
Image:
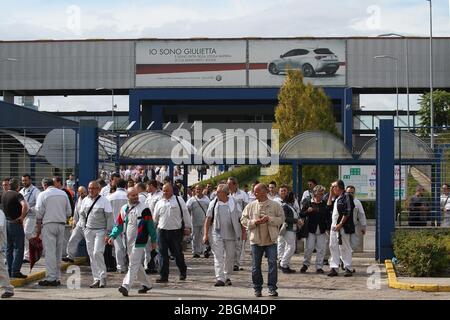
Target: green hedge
244	175
423	252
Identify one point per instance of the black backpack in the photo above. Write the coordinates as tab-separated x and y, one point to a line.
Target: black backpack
349	226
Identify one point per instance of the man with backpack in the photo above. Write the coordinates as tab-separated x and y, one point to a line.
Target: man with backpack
342	226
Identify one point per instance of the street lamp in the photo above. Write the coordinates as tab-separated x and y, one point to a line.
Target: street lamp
8	59
406	69
431	78
396	75
112	104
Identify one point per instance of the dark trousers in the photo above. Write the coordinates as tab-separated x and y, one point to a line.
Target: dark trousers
171	240
14	247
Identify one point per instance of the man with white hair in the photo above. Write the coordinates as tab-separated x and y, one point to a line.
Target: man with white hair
223	216
135	221
97	220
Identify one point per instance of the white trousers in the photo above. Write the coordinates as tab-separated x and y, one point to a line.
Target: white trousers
197	240
147	253
224	255
281	246
288	241
338	251
52	240
29	225
240	251
445	221
355	238
95	244
4	277
72	245
119	250
327	246
136	270
318	242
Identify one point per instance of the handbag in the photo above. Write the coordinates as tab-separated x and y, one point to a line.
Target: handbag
184	232
302	230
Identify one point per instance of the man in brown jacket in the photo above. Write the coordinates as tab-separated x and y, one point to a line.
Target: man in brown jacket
263	219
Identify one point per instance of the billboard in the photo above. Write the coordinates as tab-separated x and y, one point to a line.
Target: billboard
322	61
191	63
364	179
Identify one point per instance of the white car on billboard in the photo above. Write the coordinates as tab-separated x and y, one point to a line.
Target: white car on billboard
310	61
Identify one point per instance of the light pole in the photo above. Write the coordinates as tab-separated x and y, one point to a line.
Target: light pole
396	75
112	105
406	70
431	78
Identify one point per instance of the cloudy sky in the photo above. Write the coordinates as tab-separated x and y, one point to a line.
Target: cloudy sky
51	19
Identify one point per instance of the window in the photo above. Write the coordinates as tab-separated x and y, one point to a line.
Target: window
323	51
289	53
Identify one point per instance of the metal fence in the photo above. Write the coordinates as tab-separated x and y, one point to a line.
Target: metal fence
40	152
424	203
47	152
108	152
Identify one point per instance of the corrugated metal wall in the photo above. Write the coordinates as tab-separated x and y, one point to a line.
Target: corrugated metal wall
67	65
365	71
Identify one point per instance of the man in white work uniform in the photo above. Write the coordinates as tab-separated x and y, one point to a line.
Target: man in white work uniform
77	231
30	194
241	198
97	220
359	219
223	217
135	221
342	226
117	200
52	211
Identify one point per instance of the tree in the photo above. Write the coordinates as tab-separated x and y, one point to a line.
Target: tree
441	108
303	107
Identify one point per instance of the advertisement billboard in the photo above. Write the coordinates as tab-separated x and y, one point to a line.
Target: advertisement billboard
364	179
191	63
322	61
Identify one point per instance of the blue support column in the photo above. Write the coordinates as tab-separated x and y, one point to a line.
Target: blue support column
385	190
88	152
300	181
171	171
295	177
134	113
157	116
